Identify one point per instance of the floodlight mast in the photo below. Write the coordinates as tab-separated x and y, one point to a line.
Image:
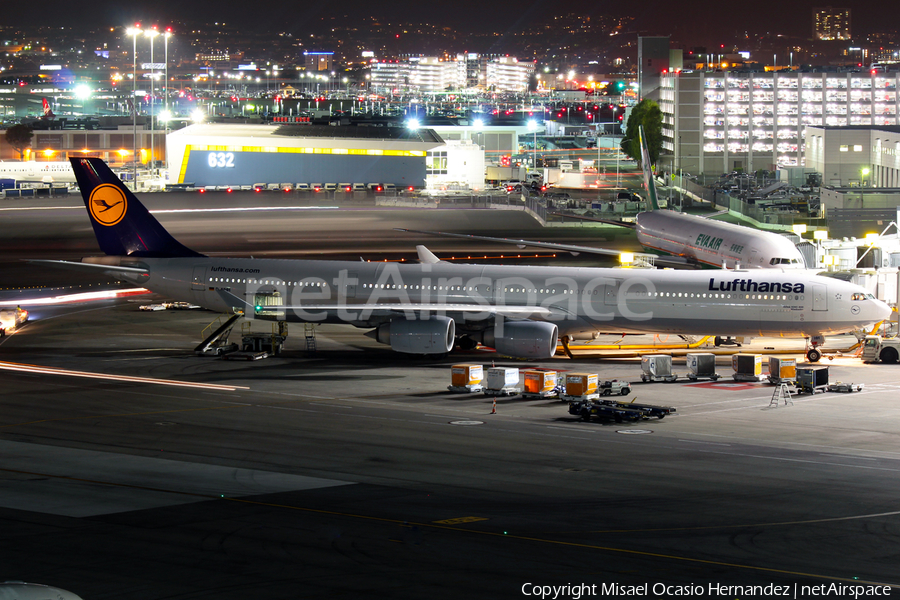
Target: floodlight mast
134	32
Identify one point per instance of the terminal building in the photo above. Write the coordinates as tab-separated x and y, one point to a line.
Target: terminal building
241	155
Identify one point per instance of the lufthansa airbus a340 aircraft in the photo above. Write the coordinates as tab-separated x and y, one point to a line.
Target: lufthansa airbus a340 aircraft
426	308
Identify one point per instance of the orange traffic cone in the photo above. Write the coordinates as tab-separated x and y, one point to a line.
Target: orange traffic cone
494	407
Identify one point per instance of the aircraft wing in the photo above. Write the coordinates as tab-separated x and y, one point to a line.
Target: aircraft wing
653	259
119	271
520	243
715	214
596	219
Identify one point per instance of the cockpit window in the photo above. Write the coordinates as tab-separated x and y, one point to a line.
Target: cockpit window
784	261
859	296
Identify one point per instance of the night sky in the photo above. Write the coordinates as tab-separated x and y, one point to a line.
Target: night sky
704	20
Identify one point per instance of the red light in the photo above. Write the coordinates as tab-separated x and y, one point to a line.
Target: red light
257	189
377	188
347	188
410	188
228	190
286	190
202	191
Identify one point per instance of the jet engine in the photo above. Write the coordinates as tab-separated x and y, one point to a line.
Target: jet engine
525	339
434	335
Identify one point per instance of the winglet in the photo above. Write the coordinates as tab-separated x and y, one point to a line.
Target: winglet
648	175
123	226
426	256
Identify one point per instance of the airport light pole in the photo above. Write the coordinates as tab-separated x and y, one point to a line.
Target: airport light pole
166	37
152	33
134	32
618	152
532	127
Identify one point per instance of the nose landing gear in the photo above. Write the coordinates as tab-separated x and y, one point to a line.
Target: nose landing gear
813	354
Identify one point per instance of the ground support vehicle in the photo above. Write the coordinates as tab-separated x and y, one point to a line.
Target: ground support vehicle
614	388
712	377
877	348
653	378
648	410
246	355
10	320
840	386
586	409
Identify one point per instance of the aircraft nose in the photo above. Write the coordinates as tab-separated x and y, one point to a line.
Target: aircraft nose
883	310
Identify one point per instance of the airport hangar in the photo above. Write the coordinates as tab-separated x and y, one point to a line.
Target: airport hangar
235	155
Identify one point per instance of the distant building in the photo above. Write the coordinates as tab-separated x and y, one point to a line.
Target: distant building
653	63
318	61
718	121
507	74
854	156
831	23
433	74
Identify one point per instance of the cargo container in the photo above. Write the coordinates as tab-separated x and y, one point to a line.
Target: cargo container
812	379
702	365
581	386
466	378
502	381
539	384
747	367
657	367
782	370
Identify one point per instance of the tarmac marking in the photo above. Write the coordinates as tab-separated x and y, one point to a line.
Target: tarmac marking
23	368
626	551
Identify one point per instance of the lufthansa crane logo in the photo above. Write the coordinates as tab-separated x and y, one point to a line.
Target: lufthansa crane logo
107	204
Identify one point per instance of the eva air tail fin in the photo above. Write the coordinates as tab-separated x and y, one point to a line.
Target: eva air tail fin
123	226
653	202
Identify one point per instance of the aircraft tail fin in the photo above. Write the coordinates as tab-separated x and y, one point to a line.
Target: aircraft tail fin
653	202
123	226
48	112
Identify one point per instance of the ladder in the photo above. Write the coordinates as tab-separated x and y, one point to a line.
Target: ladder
781	393
310	330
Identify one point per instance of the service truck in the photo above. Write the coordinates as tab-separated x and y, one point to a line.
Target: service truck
10	319
877	348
